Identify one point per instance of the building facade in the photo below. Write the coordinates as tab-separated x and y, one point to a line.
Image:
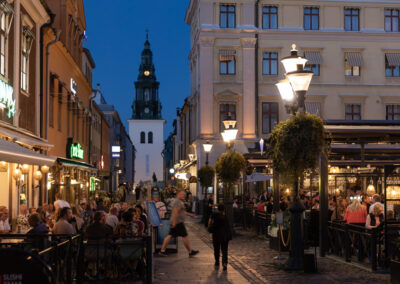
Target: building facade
121	151
236	48
67	94
146	128
23	157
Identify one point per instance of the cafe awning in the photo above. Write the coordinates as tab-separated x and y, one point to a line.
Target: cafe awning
26	139
13	153
76	164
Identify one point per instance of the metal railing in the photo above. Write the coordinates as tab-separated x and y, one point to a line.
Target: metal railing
72	259
356	243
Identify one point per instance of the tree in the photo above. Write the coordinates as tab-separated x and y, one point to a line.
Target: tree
295	145
206	176
229	167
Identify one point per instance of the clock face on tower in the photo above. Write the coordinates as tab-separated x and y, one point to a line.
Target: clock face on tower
146	73
146	110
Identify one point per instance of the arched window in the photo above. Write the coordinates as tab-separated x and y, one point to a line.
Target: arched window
150	137
142	137
146	95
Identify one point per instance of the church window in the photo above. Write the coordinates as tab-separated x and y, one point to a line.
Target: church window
142	137
146	95
150	137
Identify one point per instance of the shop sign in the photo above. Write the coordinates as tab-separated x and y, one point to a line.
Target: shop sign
74	150
74	87
115	150
6	98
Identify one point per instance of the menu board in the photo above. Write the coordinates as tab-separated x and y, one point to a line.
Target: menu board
153	213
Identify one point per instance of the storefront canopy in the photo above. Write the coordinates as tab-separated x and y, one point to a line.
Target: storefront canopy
77	164
254	177
13	153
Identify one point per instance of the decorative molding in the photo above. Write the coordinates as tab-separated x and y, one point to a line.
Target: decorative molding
248	42
206	41
352	48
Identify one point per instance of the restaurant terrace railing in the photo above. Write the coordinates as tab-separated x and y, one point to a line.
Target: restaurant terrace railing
73	259
356	243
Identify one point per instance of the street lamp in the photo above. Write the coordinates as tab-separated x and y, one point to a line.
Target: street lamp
293	90
230	132
207	149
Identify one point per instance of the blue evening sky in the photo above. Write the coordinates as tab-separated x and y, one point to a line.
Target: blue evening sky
115	37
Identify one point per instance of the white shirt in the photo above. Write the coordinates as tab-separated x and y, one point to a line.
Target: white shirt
371	208
112	220
58	204
4	225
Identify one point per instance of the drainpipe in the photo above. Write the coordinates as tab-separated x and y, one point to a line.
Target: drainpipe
256	65
57	33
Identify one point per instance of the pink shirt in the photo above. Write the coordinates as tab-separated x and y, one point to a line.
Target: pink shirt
358	216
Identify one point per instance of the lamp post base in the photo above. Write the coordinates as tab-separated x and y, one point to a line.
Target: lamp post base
296	254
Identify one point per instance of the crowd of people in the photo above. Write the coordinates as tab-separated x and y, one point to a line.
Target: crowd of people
94	219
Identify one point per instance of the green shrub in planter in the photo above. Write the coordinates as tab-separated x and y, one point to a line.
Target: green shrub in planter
206	176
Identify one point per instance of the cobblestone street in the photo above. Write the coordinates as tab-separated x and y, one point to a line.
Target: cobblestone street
251	258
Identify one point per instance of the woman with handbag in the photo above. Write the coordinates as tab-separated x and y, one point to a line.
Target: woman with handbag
218	225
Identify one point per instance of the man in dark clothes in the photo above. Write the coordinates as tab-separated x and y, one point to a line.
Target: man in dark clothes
98	229
221	235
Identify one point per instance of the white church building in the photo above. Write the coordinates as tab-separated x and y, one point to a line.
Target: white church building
146	128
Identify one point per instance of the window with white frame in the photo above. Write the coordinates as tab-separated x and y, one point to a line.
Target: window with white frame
26	44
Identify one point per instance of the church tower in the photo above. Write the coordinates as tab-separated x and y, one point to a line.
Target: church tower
147	103
146	128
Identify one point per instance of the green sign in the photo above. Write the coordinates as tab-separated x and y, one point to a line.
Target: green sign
76	151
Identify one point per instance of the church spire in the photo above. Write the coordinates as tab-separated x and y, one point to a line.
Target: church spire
147	104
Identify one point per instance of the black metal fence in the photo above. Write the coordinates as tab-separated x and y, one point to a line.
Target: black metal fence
356	243
68	259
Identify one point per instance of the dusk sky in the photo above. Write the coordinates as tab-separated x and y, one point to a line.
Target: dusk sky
115	37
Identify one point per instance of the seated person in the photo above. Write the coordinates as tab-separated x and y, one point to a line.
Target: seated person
99	229
38	228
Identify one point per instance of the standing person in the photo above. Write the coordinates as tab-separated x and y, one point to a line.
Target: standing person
210	205
355	213
177	228
22	219
377	200
375	218
221	235
137	193
60	203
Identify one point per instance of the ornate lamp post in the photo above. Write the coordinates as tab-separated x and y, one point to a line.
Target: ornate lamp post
293	90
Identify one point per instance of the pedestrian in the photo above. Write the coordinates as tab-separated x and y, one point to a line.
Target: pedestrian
177	228
221	235
112	218
377	200
375	218
60	203
355	213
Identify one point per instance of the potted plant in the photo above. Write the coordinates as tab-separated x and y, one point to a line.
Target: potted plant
206	178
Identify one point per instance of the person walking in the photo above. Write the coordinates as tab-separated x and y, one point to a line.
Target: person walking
177	228
221	235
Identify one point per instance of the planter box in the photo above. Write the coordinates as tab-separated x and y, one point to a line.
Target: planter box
273	241
395	271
